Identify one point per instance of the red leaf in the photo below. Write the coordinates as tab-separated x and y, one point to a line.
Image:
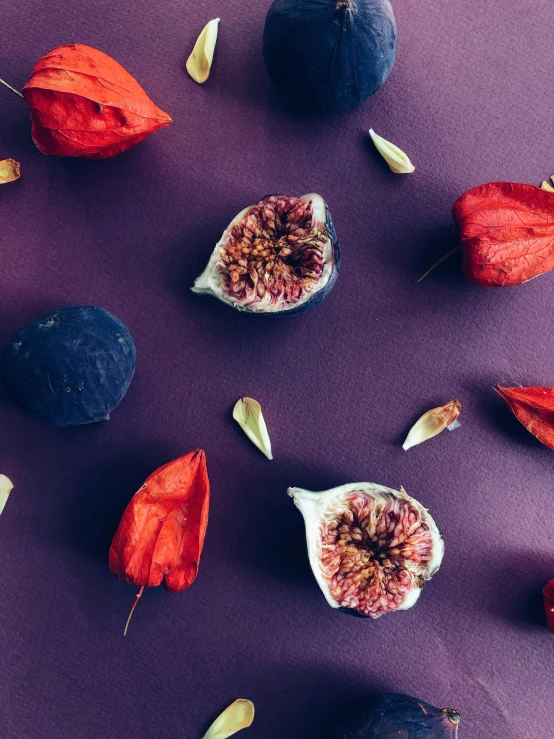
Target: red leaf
161	534
548	593
84	104
506	232
534	408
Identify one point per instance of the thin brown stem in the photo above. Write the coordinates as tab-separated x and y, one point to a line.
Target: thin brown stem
140	592
441	260
12	89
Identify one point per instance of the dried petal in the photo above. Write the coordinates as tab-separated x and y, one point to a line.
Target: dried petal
10	170
199	62
239	715
506	232
6	486
248	414
548	594
534	408
547	186
432	423
397	160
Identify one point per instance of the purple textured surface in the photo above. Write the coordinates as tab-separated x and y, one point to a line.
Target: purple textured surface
470	99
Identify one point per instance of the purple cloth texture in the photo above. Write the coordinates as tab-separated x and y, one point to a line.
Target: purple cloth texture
470	100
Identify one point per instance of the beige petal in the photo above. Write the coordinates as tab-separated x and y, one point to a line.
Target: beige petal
547	186
10	170
200	61
397	160
239	715
6	487
432	423
248	414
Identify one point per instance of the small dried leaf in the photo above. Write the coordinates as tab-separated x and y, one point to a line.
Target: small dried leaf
397	160
6	486
547	186
10	170
239	715
248	414
432	423
200	61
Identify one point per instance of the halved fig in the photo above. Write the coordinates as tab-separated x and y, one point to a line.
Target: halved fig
371	548
279	256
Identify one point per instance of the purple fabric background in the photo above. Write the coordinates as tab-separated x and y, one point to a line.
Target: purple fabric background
471	100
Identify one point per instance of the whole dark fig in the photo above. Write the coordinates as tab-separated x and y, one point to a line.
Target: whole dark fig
277	257
397	716
70	367
329	55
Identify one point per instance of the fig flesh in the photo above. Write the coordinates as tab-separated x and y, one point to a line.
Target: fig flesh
71	367
329	55
397	716
371	548
279	256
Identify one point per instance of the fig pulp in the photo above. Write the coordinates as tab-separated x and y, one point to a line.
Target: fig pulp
371	548
329	55
71	367
279	256
396	716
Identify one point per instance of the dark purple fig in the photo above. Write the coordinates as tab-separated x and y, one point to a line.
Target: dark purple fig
71	367
329	55
277	257
397	716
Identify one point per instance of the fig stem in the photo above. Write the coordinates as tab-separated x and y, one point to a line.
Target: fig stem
440	261
12	89
140	592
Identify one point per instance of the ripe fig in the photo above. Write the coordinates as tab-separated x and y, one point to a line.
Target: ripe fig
371	548
397	716
330	55
70	367
277	257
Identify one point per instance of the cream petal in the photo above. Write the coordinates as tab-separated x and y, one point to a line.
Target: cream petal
248	414
397	160
200	61
432	423
239	715
6	486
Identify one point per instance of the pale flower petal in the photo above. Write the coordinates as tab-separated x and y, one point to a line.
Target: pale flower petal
547	186
432	423
10	170
239	715
200	61
248	414
397	160
6	486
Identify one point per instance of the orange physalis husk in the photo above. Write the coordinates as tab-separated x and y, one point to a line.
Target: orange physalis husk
84	104
161	534
548	594
432	423
506	232
534	408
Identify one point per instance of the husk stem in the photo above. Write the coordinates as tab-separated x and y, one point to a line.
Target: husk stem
12	89
140	592
440	261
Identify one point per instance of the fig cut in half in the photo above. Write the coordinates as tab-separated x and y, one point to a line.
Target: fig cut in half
279	256
371	548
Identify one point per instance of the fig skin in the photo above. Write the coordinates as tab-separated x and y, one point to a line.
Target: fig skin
70	367
208	283
329	56
395	716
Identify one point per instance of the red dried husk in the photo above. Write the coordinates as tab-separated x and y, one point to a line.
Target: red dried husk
161	534
84	104
534	408
506	232
548	593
